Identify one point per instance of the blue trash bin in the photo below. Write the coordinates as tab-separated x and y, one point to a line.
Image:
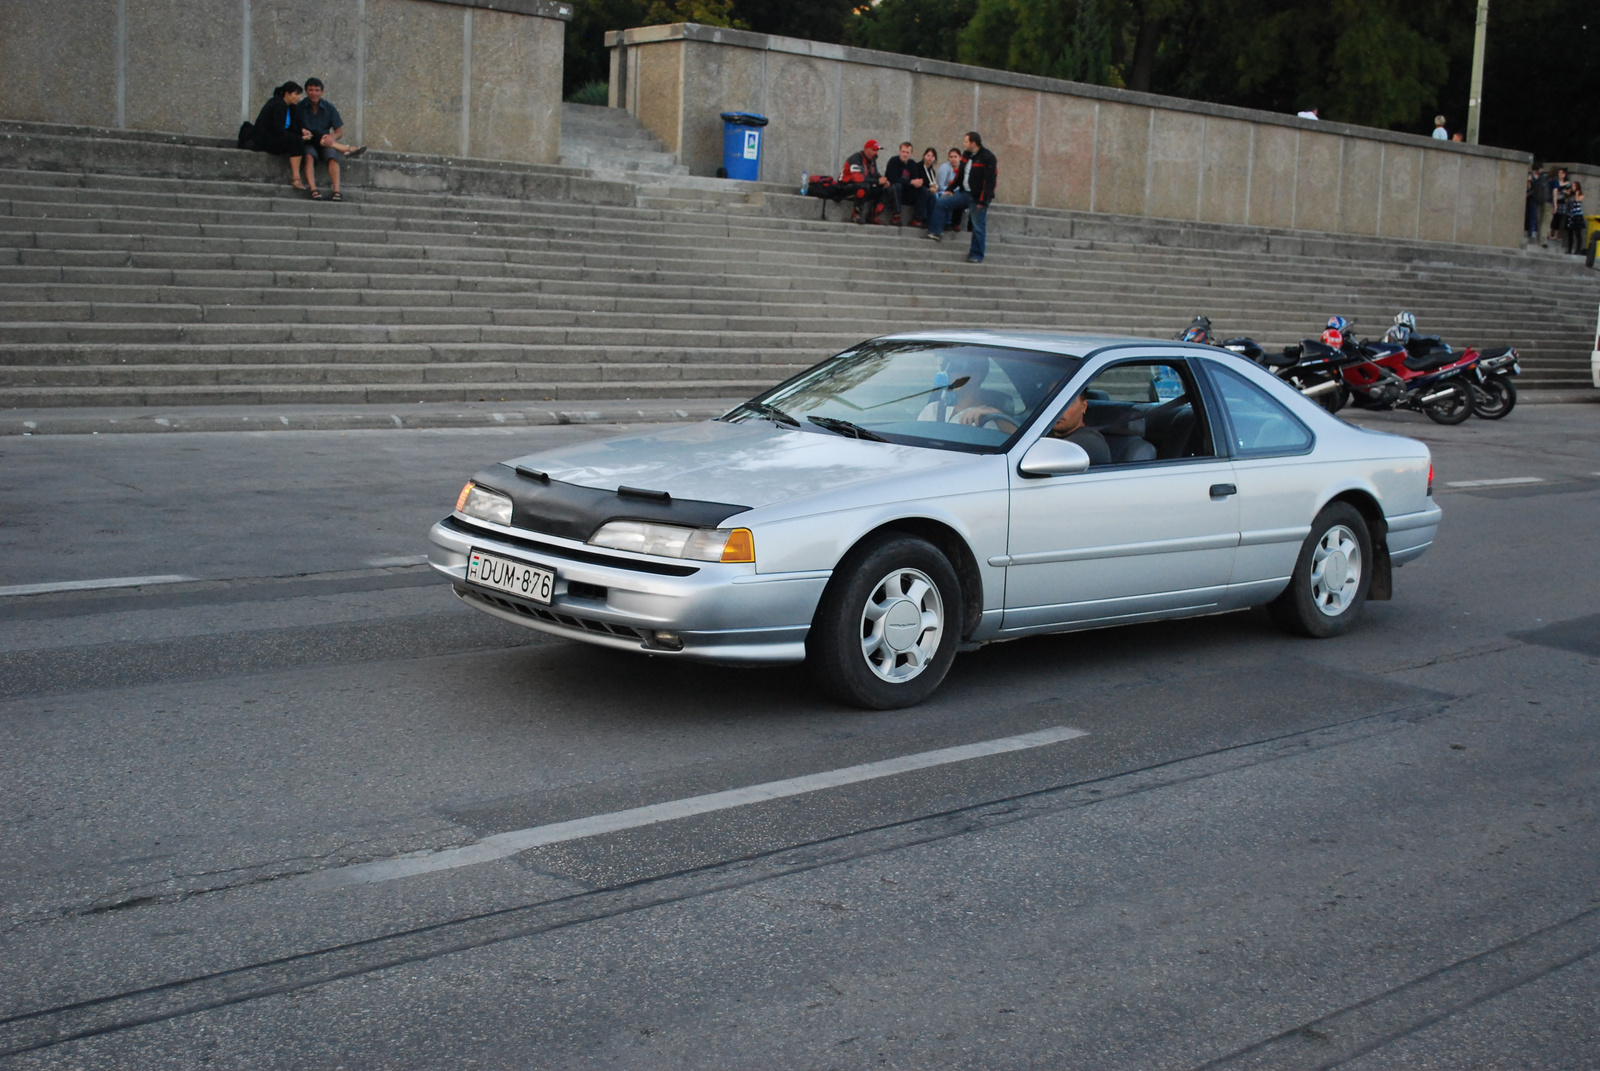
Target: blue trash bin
741	145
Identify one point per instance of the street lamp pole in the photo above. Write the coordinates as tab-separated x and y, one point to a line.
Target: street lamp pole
1475	95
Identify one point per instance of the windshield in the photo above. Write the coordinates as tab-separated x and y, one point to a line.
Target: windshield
952	396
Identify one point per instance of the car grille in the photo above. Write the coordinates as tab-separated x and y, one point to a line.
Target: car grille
539	613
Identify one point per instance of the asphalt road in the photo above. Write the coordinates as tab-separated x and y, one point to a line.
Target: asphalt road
1373	852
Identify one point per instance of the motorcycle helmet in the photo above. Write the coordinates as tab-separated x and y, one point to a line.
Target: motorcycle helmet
1333	336
1404	325
1405	319
1199	330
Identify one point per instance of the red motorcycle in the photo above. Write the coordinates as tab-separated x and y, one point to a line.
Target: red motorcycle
1421	374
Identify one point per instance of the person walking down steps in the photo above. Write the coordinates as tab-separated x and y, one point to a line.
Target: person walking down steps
974	191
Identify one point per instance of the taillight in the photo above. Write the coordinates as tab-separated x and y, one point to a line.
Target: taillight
1430	479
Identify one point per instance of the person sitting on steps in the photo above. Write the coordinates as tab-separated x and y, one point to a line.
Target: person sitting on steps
278	129
323	120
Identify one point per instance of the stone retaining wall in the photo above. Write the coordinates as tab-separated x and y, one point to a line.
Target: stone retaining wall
479	78
1064	144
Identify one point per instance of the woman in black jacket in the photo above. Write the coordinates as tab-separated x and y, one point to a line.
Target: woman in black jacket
278	129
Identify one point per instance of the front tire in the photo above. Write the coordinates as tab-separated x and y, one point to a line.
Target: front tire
1331	576
1453	409
888	625
1494	398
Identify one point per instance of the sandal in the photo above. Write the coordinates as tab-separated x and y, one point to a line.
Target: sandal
316	194
357	151
334	196
298	185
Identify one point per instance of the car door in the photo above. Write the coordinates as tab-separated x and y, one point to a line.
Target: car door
1275	473
1135	537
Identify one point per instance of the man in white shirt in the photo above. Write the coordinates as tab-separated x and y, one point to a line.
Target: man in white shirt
1439	132
1309	113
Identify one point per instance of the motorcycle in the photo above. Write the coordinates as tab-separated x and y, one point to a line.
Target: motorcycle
1421	374
1314	367
1493	393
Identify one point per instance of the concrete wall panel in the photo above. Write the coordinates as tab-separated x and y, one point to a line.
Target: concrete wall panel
1399	190
1066	151
58	62
659	86
802	104
183	72
1272	177
729	78
1008	120
1358	187
941	111
879	107
1225	171
516	87
1474	207
1509	199
1121	147
1441	178
1316	196
1175	158
415	57
284	49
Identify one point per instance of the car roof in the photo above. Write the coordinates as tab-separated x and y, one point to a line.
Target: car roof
1068	344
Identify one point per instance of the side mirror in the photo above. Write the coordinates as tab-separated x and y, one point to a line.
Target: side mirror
1053	457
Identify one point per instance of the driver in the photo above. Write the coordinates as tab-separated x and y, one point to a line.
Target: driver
963	402
1070	426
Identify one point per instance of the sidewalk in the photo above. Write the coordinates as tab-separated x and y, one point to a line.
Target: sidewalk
131	419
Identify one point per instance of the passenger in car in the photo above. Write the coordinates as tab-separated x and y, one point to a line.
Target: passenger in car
1069	426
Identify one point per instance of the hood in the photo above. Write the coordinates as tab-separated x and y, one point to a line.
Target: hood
753	464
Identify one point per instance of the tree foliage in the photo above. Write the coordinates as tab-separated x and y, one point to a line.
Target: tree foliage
1385	63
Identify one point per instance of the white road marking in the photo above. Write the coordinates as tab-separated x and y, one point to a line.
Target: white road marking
91	585
400	559
502	845
1495	483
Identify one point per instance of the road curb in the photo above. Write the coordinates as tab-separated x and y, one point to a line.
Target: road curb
226	418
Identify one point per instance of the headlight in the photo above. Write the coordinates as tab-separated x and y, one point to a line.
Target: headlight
484	504
676	541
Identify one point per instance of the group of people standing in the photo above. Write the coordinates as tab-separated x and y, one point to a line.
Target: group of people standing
1555	205
300	123
925	192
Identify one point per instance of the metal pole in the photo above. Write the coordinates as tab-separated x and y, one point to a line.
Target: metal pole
1475	95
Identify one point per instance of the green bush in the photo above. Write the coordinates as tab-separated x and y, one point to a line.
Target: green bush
591	93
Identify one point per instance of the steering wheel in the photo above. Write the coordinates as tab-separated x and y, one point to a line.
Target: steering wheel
993	419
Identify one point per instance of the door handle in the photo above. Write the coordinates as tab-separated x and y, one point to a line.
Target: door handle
1223	490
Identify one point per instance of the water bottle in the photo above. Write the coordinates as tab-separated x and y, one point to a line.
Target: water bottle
805	182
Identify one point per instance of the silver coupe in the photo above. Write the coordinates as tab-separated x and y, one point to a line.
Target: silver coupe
923	494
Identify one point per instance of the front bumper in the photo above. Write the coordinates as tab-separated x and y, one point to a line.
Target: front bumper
719	613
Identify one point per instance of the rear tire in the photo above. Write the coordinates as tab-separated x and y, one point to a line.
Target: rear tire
1494	398
1331	577
1454	409
887	628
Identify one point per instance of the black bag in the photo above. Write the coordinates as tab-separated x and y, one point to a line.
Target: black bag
247	135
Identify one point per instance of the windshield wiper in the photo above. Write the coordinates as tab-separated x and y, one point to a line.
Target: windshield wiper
771	412
844	427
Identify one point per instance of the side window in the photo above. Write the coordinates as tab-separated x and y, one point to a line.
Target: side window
1139	411
1262	427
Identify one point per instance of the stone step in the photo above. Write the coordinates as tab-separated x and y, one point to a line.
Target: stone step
387	394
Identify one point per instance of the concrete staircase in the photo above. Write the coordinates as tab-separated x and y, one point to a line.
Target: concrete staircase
126	289
610	141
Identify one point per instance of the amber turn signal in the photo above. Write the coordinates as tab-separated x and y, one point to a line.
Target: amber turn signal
741	546
461	499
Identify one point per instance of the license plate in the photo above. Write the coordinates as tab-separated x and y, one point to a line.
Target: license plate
509	575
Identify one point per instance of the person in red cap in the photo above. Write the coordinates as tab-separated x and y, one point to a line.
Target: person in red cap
869	189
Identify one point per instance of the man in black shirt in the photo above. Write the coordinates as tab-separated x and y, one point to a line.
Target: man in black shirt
1069	426
910	180
975	190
